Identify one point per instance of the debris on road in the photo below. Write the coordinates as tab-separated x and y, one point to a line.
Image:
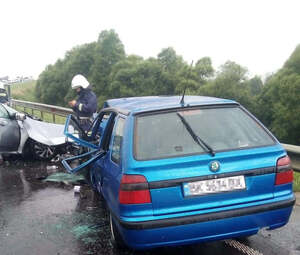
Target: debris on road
52	167
65	178
76	189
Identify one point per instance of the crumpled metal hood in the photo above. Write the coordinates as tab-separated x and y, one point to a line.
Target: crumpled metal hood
44	132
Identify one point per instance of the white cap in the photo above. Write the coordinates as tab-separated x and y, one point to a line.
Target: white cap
79	81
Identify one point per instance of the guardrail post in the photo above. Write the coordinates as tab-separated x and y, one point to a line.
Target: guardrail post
7	87
294	153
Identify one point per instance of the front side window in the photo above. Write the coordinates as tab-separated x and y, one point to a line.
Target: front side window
117	139
3	112
186	132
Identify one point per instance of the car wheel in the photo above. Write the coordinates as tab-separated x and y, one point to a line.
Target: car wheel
42	152
116	238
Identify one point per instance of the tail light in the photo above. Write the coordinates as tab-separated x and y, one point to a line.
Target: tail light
284	172
134	189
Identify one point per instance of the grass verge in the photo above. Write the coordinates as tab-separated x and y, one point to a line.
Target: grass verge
24	91
48	117
296	185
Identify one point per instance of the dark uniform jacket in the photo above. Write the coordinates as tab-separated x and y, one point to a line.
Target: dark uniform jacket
86	106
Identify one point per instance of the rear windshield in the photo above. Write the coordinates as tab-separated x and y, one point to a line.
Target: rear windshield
180	133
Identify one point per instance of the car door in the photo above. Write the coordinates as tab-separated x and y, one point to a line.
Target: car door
93	142
9	132
99	168
112	164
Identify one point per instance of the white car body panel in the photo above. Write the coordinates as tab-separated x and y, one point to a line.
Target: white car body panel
45	133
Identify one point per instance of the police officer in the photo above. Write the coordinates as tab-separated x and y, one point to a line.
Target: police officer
86	104
3	100
3	94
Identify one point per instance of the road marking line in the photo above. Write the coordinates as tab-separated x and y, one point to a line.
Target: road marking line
242	247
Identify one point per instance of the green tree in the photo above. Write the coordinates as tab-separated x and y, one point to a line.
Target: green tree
109	51
169	60
255	85
137	77
204	70
54	83
114	74
230	83
187	80
279	101
292	65
50	88
233	72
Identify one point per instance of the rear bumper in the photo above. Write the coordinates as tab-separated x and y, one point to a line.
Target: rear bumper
205	227
207	217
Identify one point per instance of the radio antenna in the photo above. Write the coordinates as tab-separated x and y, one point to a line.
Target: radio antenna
188	74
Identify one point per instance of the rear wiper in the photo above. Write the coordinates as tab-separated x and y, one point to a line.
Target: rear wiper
196	138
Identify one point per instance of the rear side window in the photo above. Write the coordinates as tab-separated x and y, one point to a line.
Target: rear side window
164	135
117	139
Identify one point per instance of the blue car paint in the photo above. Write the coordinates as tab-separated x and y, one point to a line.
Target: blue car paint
75	138
205	231
153	103
93	155
174	205
108	182
194	166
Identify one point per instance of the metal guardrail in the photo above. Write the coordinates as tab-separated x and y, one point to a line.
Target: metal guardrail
294	153
292	150
42	108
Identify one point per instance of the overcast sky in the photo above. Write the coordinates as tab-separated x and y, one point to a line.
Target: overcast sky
257	34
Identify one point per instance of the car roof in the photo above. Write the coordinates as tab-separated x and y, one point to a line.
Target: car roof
153	103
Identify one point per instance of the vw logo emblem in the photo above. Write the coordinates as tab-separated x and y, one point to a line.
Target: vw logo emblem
214	166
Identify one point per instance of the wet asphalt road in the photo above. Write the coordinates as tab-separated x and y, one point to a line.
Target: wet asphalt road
38	217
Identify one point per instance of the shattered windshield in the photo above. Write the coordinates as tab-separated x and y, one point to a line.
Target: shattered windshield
164	135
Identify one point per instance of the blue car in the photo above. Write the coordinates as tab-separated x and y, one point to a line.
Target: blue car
176	172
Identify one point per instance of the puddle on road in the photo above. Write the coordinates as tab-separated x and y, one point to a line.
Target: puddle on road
88	224
43	215
47	217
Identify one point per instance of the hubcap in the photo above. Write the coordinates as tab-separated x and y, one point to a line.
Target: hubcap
43	151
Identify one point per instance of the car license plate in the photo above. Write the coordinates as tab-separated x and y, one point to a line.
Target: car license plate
214	186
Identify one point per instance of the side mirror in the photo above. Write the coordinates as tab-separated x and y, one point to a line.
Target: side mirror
20	116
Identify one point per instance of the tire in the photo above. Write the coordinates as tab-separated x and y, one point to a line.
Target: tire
116	238
93	181
42	152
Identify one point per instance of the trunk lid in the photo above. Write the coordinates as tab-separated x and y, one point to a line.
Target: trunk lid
176	148
167	179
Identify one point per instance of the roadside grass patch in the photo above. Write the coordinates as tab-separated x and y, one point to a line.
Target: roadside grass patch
296	184
24	91
48	117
